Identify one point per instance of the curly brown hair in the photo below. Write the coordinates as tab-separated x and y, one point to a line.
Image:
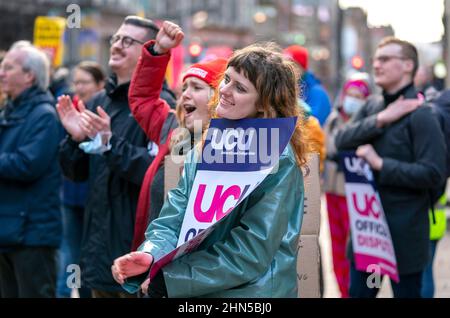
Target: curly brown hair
275	78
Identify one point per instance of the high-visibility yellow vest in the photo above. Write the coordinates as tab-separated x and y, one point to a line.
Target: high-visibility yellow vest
438	225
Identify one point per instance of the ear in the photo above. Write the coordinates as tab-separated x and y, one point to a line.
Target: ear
409	66
30	78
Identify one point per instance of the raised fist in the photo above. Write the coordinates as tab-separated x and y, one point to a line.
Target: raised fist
169	36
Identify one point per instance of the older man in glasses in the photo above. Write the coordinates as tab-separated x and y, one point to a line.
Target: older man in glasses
405	147
114	157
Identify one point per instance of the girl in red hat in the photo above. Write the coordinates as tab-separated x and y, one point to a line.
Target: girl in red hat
160	123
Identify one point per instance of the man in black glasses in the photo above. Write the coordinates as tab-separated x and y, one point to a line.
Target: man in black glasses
115	163
404	145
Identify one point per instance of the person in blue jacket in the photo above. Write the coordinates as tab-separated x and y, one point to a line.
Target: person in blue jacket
253	253
311	89
30	216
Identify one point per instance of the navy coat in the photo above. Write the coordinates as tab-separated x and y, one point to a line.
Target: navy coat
30	177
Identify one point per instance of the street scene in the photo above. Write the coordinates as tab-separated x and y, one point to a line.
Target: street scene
224	149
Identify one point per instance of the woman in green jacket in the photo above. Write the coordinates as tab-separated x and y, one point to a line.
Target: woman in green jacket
253	252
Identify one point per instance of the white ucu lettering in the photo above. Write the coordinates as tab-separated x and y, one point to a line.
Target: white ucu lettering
232	138
358	166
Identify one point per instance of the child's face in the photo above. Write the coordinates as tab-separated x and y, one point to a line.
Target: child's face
238	96
194	102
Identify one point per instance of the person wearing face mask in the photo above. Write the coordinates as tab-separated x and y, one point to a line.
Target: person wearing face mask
402	141
253	253
354	95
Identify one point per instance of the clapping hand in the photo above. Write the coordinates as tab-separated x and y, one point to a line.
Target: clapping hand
92	124
70	117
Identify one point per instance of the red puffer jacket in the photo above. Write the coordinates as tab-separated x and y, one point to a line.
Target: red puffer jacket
157	120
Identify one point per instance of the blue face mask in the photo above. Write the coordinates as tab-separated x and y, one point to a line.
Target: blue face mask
352	104
97	145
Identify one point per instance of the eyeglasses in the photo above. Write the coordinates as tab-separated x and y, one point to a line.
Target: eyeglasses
126	41
82	82
386	58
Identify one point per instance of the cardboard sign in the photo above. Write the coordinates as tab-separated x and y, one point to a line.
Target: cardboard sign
308	259
236	157
308	267
311	212
371	238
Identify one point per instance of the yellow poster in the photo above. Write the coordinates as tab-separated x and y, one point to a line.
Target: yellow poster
49	36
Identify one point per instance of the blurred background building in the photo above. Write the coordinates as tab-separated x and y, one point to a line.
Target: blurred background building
339	39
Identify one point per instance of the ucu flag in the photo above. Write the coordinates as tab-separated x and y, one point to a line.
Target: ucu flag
237	156
371	238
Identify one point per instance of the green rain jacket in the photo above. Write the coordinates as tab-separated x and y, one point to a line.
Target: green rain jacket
252	253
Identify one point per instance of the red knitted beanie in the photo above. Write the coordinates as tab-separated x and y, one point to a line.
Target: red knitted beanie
299	54
211	72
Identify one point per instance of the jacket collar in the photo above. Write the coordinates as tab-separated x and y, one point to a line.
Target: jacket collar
25	102
117	92
409	91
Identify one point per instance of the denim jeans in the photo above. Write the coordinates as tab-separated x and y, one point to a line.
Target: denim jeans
69	253
427	278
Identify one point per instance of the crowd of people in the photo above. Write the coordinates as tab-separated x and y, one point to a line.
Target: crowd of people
82	168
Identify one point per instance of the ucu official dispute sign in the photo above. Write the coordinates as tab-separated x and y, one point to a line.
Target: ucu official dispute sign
236	157
371	239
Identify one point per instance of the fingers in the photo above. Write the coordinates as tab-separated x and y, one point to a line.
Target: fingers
173	30
118	276
87	128
169	27
102	113
64	104
60	110
179	36
119	268
144	286
360	151
116	270
363	150
141	258
95	122
81	106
